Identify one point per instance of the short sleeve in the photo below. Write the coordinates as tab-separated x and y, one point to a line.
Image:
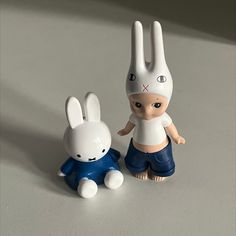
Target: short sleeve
132	119
166	120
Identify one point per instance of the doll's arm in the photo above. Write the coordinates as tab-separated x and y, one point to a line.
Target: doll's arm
67	167
171	129
129	126
114	154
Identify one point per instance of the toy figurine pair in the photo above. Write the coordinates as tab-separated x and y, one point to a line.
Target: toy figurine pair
149	89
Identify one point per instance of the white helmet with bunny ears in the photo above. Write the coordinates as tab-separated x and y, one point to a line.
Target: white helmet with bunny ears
86	139
145	77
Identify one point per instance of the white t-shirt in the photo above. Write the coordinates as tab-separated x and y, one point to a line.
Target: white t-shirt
150	132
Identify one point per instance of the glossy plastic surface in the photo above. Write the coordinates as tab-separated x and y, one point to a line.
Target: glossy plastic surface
88	143
148	77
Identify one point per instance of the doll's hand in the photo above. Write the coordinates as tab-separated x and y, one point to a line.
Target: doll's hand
179	140
129	126
122	132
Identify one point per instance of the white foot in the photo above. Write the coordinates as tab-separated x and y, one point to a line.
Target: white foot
87	188
113	179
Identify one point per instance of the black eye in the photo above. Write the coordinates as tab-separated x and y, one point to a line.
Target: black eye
138	105
156	105
132	77
103	150
161	79
78	155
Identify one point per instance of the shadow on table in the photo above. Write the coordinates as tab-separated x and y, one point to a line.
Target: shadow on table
42	155
209	19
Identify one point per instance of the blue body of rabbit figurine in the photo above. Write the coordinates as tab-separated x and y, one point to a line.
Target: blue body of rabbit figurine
75	170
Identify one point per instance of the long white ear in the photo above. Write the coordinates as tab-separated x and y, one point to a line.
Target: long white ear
92	107
137	50
73	112
158	55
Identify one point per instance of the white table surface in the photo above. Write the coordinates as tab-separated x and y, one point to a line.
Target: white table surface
50	51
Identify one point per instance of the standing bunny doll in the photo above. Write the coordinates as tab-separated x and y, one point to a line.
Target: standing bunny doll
88	142
149	89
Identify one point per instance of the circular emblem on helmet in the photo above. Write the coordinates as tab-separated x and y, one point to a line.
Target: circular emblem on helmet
161	79
132	77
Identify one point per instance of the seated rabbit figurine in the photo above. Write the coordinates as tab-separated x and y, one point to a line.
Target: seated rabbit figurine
88	142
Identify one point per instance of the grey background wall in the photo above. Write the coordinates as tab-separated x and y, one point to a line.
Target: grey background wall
53	49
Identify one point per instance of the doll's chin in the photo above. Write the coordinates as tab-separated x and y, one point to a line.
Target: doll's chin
145	117
148	118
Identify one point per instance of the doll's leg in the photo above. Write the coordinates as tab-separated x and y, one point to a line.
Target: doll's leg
162	164
159	172
156	178
87	188
138	166
142	175
136	162
113	179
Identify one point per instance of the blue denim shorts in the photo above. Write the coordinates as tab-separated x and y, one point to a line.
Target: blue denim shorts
161	163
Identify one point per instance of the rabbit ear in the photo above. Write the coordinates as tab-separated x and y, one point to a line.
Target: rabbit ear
92	107
158	55
74	112
137	51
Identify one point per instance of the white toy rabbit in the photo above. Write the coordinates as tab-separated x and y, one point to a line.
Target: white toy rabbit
88	142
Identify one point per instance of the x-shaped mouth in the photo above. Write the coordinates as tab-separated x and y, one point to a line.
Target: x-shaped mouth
145	88
92	159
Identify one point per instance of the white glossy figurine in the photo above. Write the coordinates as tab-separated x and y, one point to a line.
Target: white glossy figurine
149	88
88	142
